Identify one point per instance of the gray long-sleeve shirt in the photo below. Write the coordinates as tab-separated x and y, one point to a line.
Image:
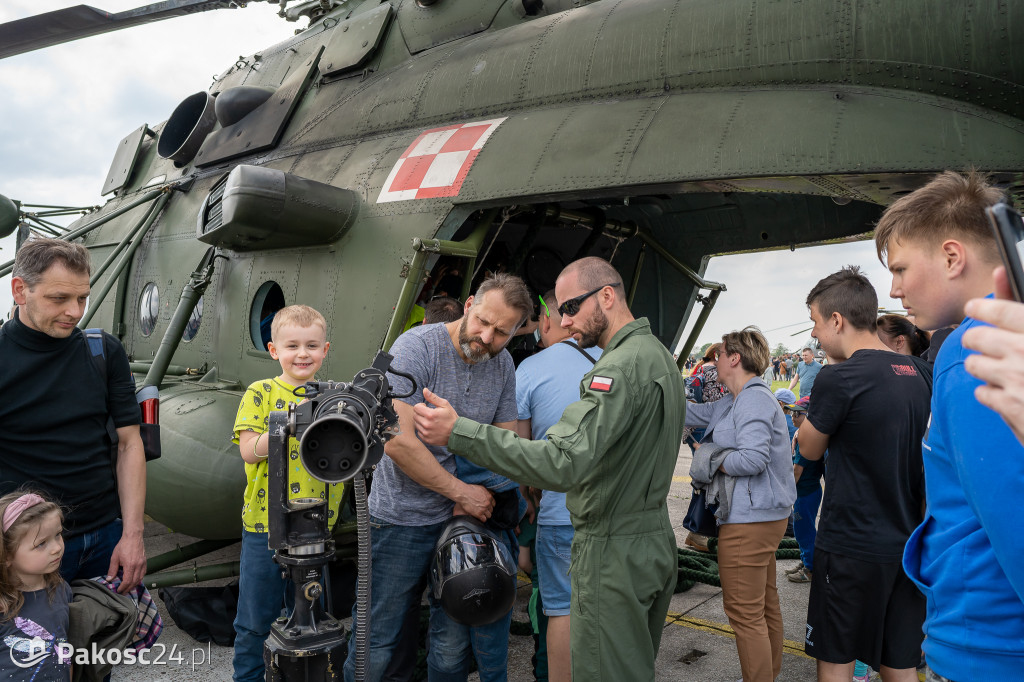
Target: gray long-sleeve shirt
753	426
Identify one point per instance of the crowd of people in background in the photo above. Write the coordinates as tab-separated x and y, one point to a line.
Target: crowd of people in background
911	563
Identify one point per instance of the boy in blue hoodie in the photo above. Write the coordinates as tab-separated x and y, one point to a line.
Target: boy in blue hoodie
965	556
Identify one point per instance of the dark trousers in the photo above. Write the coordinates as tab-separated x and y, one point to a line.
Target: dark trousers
88	555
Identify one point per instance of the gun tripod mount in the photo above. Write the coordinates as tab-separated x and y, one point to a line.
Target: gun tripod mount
341	429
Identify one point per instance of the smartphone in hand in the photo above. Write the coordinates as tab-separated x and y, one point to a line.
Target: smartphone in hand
1009	230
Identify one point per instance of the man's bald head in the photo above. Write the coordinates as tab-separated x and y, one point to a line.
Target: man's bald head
592	272
598	307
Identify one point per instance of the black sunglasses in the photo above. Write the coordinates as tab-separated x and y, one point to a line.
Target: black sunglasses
572	306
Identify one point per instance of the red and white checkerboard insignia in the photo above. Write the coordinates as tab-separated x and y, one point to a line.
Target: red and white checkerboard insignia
437	162
603	384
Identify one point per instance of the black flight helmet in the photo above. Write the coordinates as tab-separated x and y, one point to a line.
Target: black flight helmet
473	573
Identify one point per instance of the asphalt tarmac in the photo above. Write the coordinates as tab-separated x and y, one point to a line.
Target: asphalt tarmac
697	643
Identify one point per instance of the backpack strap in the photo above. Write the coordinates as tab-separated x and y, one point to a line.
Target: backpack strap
97	348
149	432
587	355
98	351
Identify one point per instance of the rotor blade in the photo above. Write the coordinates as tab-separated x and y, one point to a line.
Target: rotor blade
82	21
802	332
786	326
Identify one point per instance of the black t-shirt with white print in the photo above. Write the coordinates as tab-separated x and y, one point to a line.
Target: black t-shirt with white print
31	650
874	407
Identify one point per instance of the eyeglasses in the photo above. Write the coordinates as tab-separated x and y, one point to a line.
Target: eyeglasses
572	306
546	311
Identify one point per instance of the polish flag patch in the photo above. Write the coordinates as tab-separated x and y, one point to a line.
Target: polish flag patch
437	162
603	384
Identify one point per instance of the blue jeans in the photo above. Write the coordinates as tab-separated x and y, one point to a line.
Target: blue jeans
88	555
451	645
261	598
401	558
805	511
554	551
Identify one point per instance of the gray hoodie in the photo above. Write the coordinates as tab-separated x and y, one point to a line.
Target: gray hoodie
753	426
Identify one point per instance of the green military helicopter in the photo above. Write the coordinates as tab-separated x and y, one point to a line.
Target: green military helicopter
394	150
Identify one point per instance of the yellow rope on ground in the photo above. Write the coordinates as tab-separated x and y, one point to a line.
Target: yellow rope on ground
724	630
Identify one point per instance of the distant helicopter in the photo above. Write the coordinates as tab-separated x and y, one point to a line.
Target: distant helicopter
394	150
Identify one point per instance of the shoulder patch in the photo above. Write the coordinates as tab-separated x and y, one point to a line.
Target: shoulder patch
603	384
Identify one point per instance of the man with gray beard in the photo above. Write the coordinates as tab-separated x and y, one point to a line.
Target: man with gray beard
417	488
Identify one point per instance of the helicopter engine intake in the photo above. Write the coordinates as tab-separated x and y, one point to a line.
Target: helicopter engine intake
187	128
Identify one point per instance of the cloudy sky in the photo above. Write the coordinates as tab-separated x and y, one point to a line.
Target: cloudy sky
64	109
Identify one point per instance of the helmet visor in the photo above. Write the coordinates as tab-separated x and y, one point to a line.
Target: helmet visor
469	551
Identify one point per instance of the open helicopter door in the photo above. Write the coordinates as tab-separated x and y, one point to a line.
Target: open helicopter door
537	241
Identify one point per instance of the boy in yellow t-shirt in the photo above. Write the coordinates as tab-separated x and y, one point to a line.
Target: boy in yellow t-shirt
299	343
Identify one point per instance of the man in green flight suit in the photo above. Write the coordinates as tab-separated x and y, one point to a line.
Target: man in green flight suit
613	453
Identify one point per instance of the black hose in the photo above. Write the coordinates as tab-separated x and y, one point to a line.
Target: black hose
363	564
406	376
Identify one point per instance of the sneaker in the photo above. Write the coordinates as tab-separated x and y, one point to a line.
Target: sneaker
798	567
801	576
866	677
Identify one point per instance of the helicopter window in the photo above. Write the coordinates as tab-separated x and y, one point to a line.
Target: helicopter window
194	320
149	307
269	299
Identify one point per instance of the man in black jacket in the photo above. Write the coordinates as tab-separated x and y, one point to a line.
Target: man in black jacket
55	416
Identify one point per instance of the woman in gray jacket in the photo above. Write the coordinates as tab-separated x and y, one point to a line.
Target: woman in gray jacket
750	470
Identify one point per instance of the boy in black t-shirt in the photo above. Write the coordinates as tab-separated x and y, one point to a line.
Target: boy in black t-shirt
870	411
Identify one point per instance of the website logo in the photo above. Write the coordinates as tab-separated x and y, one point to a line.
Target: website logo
26	653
